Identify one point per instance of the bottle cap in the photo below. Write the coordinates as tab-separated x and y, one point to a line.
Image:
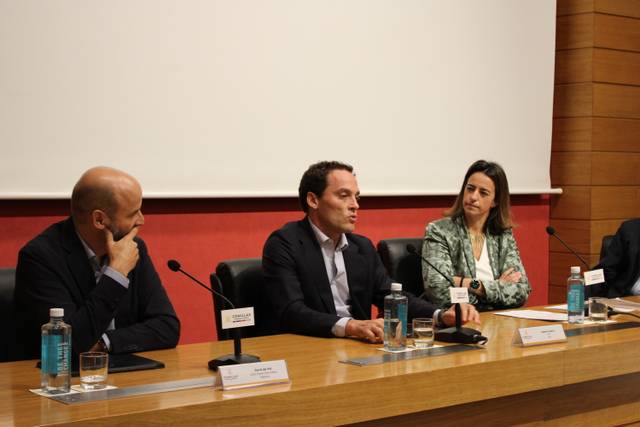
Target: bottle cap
396	286
575	269
56	312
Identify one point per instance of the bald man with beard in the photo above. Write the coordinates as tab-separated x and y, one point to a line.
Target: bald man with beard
95	267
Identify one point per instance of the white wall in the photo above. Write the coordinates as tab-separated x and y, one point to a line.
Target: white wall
237	97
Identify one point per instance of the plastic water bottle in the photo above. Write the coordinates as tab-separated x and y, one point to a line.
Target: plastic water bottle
395	319
55	359
575	296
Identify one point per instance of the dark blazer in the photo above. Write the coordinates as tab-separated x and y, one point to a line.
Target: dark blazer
621	262
54	271
298	287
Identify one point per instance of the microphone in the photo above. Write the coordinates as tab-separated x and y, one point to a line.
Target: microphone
552	232
413	251
458	333
230	359
175	266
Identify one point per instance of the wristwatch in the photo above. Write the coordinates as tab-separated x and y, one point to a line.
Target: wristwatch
475	284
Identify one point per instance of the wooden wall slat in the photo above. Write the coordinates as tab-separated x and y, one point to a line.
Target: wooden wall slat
574	65
595	168
630	8
574	31
573	203
611	134
597	65
609	66
573	100
615	202
613	32
572	7
615	101
559	264
601	228
584	236
574	232
571	168
596	129
572	134
615	168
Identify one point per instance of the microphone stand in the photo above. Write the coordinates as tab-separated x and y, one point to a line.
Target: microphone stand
229	359
458	333
237	357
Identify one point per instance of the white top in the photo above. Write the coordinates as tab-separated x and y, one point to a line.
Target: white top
484	272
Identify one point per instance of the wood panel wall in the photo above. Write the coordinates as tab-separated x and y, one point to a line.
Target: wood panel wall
596	128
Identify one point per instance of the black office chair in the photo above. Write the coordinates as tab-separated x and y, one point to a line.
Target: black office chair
402	266
243	284
8	337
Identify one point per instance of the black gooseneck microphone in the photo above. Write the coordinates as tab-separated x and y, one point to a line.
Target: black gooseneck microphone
552	232
230	359
455	334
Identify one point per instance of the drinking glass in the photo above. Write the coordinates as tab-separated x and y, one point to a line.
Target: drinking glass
94	367
598	309
423	333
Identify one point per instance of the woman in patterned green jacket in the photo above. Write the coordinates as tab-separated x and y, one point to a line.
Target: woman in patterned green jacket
474	246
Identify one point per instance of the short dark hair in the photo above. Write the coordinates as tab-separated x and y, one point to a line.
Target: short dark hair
314	180
499	219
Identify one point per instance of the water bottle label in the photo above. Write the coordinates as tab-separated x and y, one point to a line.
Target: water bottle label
55	354
402	316
49	353
575	298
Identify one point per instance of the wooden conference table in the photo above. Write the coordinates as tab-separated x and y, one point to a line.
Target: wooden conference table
591	379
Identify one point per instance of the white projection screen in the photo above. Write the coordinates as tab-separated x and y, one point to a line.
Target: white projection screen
235	98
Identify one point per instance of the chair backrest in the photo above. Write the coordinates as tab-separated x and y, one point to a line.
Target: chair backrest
8	337
606	241
402	266
243	284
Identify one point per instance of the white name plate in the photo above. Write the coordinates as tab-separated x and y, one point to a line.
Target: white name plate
253	374
237	318
540	335
459	295
593	277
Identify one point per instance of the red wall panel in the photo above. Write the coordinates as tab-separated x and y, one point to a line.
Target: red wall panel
201	233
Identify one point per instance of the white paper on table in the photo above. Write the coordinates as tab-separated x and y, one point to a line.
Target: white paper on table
534	315
617	304
561	307
623	306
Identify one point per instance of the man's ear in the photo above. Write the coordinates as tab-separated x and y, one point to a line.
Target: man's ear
99	219
312	200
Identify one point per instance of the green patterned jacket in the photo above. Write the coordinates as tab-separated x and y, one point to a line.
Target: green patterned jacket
447	246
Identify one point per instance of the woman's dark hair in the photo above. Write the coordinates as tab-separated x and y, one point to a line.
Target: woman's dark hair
499	219
315	180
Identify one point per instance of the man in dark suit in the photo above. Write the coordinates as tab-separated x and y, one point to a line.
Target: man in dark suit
94	267
621	263
321	278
